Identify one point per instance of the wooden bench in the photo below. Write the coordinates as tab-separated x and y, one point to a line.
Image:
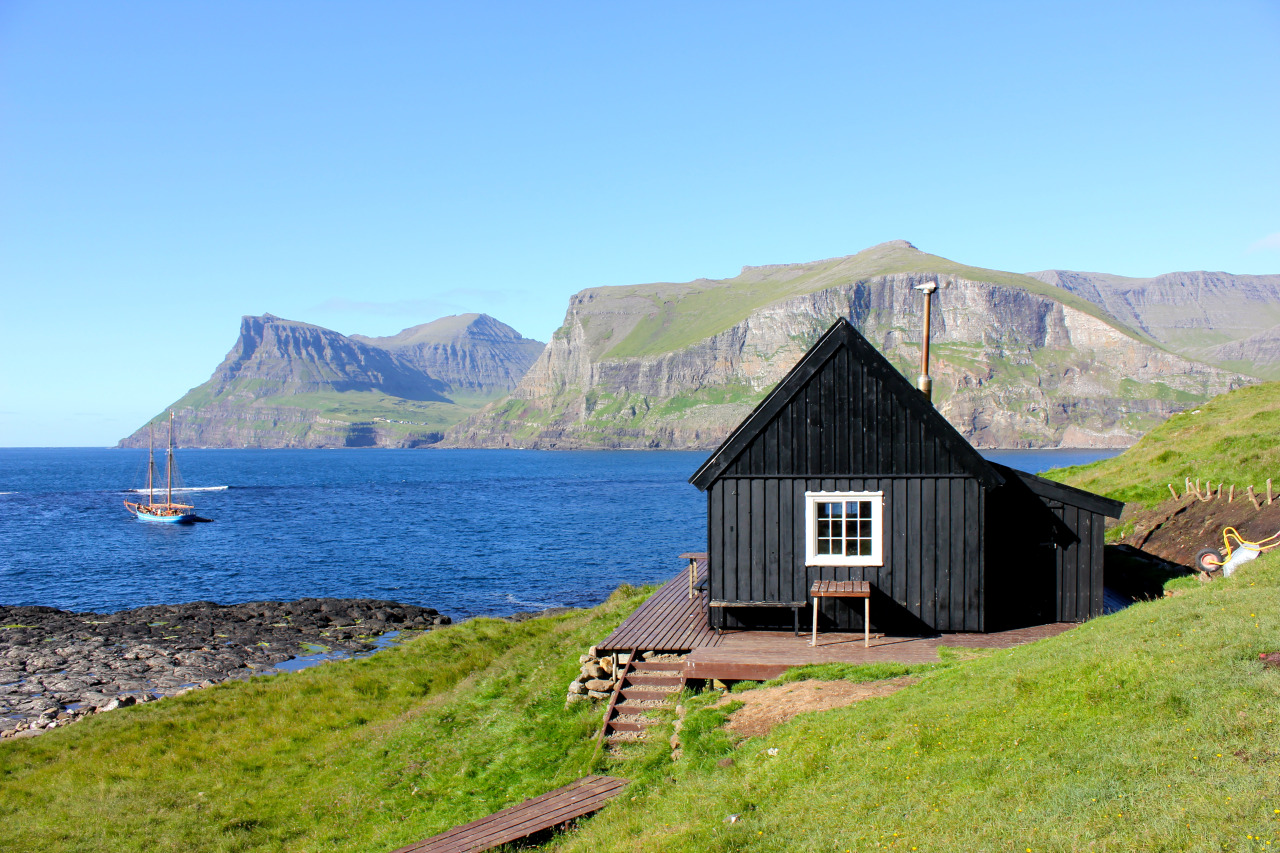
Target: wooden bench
794	605
552	809
843	589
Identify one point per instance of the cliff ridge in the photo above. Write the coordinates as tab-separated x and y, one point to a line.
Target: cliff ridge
1017	362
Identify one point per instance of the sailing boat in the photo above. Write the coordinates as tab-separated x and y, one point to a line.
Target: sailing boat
167	512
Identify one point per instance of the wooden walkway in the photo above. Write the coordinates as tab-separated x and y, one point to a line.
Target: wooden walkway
669	621
761	655
550	810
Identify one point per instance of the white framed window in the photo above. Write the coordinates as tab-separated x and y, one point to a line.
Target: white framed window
844	528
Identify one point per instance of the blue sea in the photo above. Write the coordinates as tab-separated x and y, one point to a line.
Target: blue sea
469	532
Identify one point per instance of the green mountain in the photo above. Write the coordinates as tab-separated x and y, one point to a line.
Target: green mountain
1016	361
291	384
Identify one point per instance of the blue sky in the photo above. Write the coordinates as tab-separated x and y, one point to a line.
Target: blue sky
168	167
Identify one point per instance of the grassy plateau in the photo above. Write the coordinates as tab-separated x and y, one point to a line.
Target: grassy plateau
684	314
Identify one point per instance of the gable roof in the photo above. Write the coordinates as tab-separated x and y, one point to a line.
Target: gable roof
1054	491
843	334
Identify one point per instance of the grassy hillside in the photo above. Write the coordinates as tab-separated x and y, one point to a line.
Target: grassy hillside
365	755
1234	437
1153	729
683	314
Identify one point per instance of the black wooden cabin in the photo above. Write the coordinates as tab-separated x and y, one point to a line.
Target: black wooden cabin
846	472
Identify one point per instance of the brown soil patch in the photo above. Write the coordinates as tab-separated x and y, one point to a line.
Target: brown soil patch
767	707
1176	530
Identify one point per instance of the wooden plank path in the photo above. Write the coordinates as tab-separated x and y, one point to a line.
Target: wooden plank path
552	809
670	621
761	655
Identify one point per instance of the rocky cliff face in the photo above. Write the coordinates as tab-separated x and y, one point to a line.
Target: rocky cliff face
290	384
469	352
1230	320
274	355
1012	368
1018	361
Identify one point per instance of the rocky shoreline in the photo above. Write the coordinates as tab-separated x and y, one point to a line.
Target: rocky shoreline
57	666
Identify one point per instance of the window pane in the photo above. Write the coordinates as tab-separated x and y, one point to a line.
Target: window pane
845	528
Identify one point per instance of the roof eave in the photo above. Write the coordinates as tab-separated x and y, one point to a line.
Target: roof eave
1054	490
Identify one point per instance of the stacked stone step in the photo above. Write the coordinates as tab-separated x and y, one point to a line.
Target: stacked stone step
596	677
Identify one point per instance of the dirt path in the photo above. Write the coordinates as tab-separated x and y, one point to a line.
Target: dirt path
767	707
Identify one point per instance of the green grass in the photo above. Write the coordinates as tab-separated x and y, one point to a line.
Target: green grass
320	416
1271	372
1153	729
357	406
1234	437
362	755
857	673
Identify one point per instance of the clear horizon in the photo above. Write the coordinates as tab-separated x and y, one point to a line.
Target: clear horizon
168	168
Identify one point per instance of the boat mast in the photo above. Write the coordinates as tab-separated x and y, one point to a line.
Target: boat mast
168	474
151	463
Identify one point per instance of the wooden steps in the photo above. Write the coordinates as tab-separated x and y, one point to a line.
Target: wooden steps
539	814
642	685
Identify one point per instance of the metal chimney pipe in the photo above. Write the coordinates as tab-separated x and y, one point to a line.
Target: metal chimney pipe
923	382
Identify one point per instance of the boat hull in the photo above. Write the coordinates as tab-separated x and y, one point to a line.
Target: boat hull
143	513
185	518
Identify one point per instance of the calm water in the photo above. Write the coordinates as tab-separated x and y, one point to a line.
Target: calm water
466	531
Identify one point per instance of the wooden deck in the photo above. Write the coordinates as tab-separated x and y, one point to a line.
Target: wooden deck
669	621
550	810
672	622
761	655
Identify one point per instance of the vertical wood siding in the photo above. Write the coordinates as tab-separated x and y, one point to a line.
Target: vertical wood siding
961	553
845	422
932	573
1044	560
1079	565
845	431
